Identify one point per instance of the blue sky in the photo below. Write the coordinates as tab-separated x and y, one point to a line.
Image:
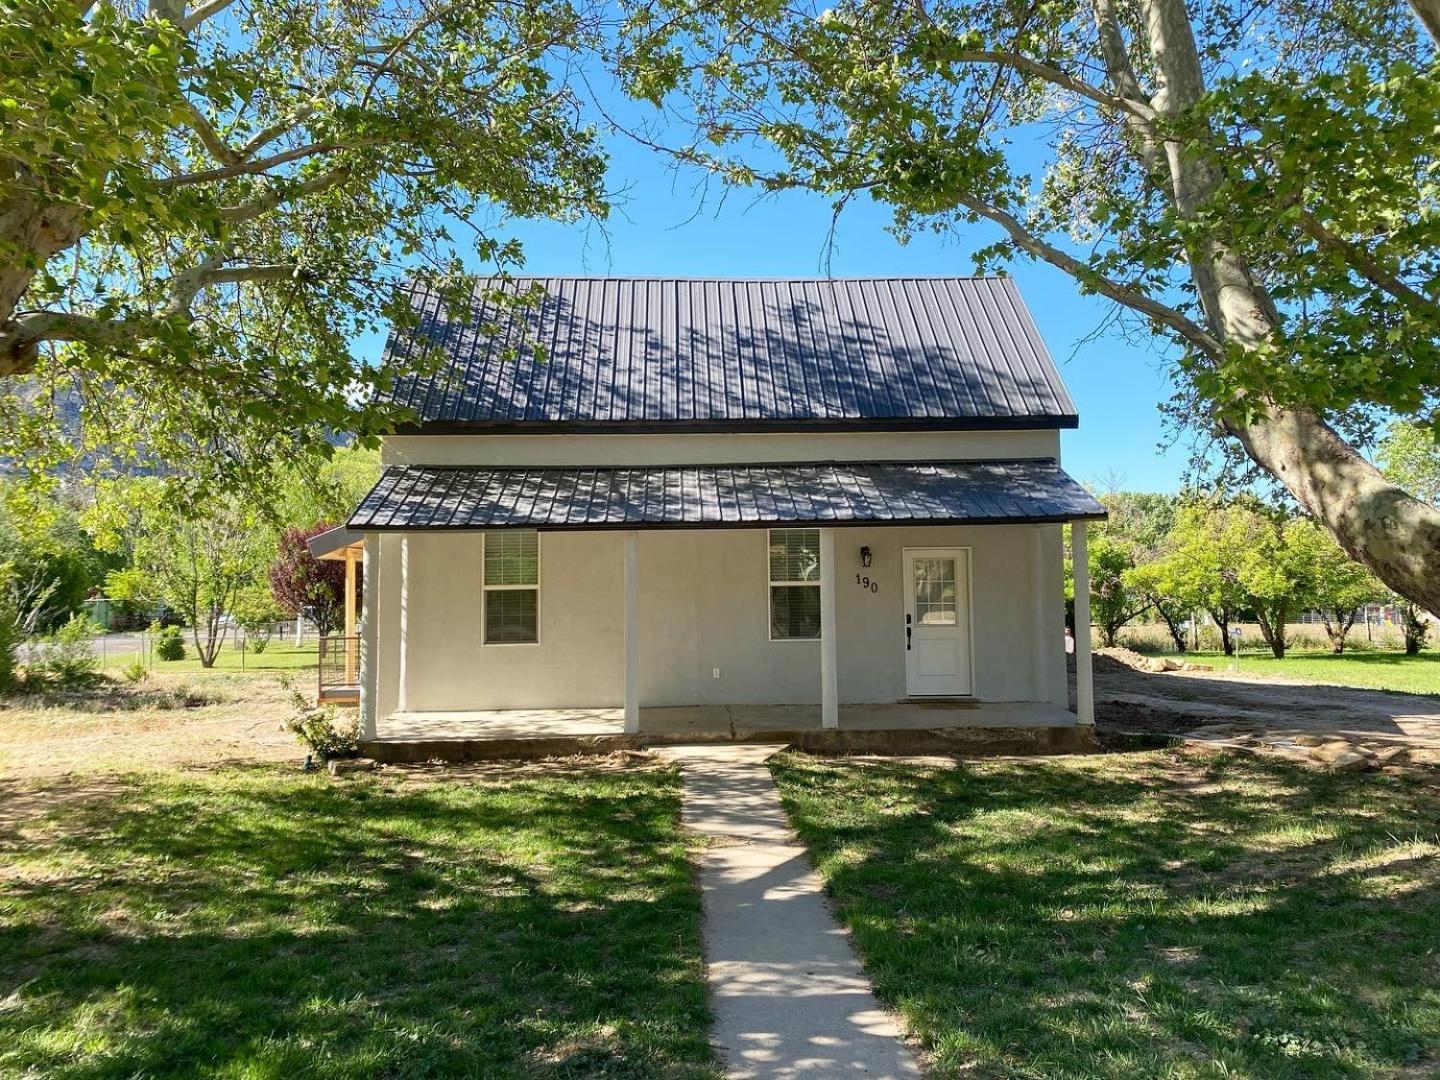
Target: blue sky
663	226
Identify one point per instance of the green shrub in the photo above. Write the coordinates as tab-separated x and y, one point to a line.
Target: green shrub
64	660
256	613
321	730
134	672
170	643
10	638
1210	640
183	697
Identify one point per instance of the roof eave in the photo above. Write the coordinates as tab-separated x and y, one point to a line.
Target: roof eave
737	427
779	523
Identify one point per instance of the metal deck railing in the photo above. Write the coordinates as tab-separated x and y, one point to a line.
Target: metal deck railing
339	668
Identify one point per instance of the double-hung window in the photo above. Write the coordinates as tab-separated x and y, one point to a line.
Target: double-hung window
511	587
794	584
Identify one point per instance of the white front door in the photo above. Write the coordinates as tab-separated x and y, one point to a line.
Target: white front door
937	622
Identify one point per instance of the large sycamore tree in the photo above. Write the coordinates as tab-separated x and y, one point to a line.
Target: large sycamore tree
1256	180
203	204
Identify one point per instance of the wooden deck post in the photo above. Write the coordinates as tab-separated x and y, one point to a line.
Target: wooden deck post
1084	676
352	658
369	656
829	672
632	633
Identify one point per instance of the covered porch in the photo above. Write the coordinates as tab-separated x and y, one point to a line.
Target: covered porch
651	600
911	727
338	669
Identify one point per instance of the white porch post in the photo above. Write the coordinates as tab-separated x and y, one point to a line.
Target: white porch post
829	672
1084	677
369	620
632	633
403	688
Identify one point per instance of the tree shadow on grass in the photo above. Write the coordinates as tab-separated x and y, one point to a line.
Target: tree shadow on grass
275	924
1149	916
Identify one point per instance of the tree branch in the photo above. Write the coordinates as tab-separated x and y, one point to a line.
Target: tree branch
21	337
1123	79
217	146
205	11
1136	109
255	168
278	196
265	136
1028	242
1368	268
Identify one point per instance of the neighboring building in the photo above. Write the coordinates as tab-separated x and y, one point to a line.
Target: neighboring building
717	496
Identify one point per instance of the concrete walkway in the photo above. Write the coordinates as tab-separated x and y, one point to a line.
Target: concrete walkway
789	996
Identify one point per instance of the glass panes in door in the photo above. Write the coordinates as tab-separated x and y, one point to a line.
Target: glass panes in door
935	592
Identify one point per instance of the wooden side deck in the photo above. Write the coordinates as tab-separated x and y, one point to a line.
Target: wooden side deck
906	727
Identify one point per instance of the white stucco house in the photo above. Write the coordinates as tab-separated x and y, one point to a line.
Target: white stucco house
717	507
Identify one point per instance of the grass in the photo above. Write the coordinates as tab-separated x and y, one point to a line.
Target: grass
1150	914
1368	670
260	922
278	656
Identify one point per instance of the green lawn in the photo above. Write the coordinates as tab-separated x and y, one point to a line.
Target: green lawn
278	656
260	922
1371	670
1138	915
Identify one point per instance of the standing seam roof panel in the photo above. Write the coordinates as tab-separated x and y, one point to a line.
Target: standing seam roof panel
688	350
421	498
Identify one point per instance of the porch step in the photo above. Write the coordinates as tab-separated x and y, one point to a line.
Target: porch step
979	741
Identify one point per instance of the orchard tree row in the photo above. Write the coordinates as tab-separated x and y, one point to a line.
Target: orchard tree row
1173	558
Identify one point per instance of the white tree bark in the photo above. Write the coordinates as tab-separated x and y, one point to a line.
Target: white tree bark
1429	13
1379	524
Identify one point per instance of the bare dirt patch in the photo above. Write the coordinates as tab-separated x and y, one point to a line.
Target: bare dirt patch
1324	727
170	721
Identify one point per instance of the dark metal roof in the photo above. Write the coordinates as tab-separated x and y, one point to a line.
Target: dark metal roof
959	492
736	355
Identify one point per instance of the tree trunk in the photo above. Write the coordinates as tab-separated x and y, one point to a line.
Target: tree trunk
32	233
1393	533
1222	623
1429	13
1272	628
1172	624
1337	624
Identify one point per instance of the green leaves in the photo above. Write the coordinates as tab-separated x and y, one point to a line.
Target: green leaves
197	225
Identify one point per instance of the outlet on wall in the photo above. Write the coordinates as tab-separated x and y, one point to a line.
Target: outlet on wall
715	674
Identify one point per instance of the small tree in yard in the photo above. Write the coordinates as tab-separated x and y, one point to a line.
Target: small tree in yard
1112	602
300	582
1339	585
1276	572
195	561
256	613
1161	585
1199	569
1412	624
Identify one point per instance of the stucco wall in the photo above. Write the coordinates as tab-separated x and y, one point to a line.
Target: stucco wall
658	449
703	605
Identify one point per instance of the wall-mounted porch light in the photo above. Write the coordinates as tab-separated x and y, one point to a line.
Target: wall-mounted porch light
865	555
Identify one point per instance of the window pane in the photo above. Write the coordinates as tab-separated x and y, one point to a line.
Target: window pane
511	616
512	558
935	592
795	611
794	554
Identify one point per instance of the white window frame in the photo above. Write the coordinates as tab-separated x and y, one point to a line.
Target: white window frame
771	585
487	588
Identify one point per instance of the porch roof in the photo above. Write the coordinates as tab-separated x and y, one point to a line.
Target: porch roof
1032	490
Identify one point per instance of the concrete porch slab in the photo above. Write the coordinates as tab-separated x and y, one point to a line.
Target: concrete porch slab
905	727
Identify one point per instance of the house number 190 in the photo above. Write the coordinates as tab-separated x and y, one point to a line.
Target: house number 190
863	580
